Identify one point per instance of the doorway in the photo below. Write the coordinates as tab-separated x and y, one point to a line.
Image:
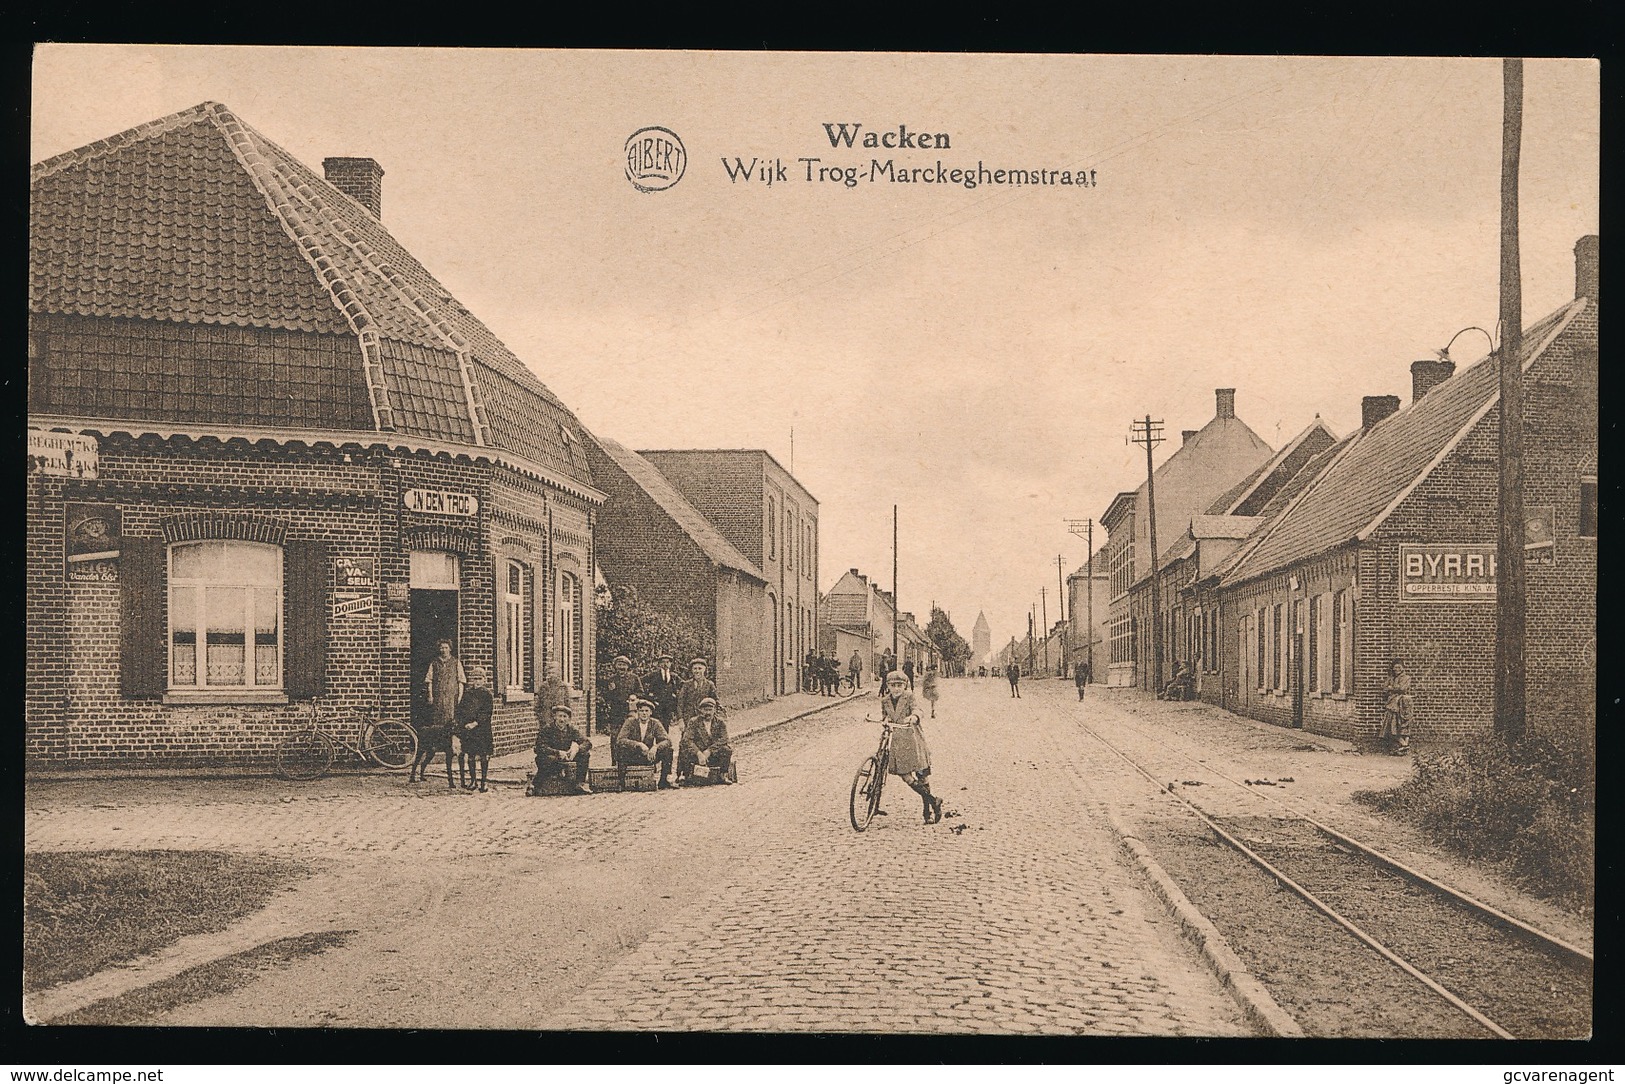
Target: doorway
1297	664
434	599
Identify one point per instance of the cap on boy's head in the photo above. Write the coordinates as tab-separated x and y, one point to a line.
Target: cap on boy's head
666	655
897	677
697	662
563	709
623	658
708	701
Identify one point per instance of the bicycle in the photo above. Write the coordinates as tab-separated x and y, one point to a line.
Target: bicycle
308	752
870	781
847	685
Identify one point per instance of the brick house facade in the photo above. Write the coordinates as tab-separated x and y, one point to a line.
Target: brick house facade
766	514
650	537
1388	554
299	463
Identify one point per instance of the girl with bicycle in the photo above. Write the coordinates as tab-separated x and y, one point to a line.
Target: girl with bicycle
910	757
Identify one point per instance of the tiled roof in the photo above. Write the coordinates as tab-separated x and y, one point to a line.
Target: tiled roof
1358	487
1222	526
719	550
197	218
1249	495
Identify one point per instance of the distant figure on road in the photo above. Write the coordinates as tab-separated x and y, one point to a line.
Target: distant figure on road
910	757
1183	686
1012	673
1396	713
854	667
928	688
908	672
1080	675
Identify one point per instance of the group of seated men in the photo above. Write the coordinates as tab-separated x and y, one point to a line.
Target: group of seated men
638	736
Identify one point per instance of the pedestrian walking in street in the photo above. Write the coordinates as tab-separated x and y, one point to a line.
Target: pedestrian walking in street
928	688
908	672
644	741
1080	676
1396	714
562	749
1012	673
474	726
854	667
910	756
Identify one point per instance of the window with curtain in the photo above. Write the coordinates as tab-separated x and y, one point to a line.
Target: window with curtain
515	629
571	663
225	615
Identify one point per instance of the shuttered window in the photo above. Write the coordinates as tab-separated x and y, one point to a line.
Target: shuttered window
305	576
142	654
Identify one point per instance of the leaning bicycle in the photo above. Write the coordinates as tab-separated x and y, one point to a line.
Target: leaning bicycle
870	781
847	685
308	753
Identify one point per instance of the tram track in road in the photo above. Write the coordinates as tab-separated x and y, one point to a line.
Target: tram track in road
1451	965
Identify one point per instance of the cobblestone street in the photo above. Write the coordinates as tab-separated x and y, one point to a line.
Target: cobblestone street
747	908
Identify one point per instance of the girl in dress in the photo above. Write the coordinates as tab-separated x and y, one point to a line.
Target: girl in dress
1396	715
474	725
910	757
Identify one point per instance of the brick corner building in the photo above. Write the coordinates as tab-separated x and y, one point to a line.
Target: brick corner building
273	461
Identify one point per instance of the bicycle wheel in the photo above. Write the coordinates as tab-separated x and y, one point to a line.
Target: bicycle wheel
862	806
305	755
390	743
848	686
878	784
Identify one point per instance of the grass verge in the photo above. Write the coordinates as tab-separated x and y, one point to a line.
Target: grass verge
206	980
84	911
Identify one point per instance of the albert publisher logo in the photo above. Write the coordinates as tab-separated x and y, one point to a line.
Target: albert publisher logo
655	159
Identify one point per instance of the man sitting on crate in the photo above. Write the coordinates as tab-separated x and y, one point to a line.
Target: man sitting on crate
562	751
705	745
643	740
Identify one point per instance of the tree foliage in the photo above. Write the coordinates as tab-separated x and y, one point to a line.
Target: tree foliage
951	647
627	625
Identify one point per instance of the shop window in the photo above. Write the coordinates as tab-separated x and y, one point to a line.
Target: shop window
1588	508
225	615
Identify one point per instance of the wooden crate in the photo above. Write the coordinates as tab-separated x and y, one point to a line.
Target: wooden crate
640	777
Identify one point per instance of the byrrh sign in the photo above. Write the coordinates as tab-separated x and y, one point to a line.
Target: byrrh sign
440	502
1447	572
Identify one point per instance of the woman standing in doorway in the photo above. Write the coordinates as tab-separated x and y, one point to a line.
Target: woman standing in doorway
445	681
910	757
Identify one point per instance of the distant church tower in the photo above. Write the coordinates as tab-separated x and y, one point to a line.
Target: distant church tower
981	640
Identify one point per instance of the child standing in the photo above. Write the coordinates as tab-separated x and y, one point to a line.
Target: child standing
474	725
928	687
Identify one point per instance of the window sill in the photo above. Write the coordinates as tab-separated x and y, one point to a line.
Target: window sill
517	696
225	696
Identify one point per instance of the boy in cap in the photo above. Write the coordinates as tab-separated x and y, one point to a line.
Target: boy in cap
561	748
642	740
619	688
695	689
705	742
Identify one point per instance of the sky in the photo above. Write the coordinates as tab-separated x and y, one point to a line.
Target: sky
1300	229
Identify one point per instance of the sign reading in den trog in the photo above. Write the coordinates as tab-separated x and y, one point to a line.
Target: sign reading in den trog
440	502
1448	572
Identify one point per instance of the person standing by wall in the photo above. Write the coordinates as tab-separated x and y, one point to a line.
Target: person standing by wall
854	667
1396	714
444	680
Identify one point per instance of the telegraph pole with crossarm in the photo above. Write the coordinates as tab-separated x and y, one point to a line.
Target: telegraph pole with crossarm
1149	434
1086	528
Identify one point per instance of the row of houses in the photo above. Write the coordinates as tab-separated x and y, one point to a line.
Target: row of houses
1291	580
860	616
272	462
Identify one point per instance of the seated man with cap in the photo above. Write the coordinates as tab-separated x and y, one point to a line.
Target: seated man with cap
643	740
705	745
562	751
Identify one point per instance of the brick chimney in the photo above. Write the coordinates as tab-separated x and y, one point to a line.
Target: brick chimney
1429	374
1225	400
362	179
1374	408
1585	267
1187	434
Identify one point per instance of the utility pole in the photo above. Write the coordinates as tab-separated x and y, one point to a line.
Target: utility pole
1043	597
1029	639
1149	433
1060	587
1509	575
1088	526
896	610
